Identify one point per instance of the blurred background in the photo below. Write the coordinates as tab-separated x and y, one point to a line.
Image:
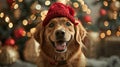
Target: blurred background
18	18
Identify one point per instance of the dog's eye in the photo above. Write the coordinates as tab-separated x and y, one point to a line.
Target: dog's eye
51	25
68	24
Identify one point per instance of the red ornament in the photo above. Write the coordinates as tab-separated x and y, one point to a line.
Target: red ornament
87	18
103	12
10	41
20	32
10	2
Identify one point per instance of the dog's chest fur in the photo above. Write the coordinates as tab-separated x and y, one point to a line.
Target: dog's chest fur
76	62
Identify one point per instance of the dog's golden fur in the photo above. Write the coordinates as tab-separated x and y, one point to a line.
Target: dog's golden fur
73	56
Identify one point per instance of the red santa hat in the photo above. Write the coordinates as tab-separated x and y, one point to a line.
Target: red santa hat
59	10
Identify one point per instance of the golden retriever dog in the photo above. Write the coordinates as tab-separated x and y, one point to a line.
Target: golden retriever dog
60	39
60	44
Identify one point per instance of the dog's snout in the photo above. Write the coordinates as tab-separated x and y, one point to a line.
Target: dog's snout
60	34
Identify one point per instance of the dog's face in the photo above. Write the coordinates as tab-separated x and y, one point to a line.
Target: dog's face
59	32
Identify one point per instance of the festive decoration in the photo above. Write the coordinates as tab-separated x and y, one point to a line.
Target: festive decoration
8	55
10	41
87	18
109	18
115	5
20	32
35	8
57	10
31	50
103	12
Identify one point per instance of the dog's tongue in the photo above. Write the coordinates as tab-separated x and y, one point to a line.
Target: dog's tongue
60	46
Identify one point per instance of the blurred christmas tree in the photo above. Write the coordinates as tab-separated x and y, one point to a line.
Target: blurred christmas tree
18	18
109	20
108	24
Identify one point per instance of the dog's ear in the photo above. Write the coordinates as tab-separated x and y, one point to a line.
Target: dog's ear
38	35
80	32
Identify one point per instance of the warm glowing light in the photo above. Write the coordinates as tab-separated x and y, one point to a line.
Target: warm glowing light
105	3
75	4
38	7
117	4
106	23
115	15
89	22
113	0
42	18
81	2
118	33
20	0
7	19
32	17
32	30
25	22
24	33
85	8
29	34
16	6
63	1
43	13
1	14
88	11
47	3
10	25
102	35
108	32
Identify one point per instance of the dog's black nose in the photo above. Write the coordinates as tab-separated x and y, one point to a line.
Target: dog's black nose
60	34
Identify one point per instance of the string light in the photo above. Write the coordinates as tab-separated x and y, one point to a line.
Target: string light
108	32
1	14
29	34
63	1
113	0
32	30
115	15
81	2
75	4
88	11
89	22
20	0
117	4
102	35
10	25
106	23
7	19
84	7
16	6
32	17
43	13
25	22
38	7
47	3
105	3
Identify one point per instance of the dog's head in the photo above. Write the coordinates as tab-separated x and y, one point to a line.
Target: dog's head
59	33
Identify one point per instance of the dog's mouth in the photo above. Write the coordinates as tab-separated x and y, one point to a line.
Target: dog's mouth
60	46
